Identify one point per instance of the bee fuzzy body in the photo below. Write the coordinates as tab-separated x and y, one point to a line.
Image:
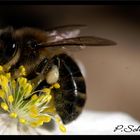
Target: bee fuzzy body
45	53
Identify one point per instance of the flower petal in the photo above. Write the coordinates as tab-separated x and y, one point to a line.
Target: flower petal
8	126
88	123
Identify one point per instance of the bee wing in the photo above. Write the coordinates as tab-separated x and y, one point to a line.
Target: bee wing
79	43
63	32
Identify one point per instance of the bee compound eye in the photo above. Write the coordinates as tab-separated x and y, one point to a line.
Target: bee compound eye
11	48
8	52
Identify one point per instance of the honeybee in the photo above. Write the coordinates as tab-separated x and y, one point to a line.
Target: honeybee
44	55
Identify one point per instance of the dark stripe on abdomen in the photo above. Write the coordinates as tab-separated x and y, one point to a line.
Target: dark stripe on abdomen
70	102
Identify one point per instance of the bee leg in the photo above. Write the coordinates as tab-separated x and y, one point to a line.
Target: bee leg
39	73
47	71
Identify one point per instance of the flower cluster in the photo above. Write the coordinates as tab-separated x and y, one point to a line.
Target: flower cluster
21	101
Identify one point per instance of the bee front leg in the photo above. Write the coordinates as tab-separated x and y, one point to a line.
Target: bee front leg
48	71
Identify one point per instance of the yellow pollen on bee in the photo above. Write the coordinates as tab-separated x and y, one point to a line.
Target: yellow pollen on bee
13	115
4	106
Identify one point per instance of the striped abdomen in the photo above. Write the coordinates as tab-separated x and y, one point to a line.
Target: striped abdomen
71	100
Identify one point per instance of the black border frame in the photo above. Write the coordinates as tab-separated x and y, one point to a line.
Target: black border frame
68	2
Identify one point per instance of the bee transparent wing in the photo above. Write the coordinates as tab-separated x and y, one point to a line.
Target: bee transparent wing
79	43
63	32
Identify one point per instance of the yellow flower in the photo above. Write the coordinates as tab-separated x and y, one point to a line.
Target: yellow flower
22	102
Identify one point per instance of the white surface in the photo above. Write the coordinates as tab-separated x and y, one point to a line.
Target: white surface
89	123
102	123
